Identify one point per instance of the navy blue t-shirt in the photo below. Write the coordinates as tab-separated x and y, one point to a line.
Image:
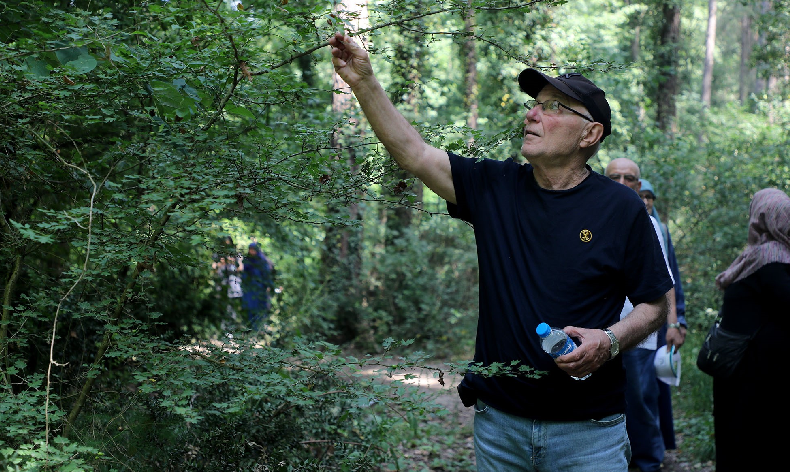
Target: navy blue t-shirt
564	257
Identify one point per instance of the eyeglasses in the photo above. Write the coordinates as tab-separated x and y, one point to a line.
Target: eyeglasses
648	196
630	178
552	107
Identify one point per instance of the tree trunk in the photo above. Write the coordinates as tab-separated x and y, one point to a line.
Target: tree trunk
710	46
471	68
306	66
407	73
341	255
669	82
745	70
762	82
8	293
636	47
635	42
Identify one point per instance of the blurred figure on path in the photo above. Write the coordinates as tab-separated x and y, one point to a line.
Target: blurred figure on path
750	405
257	285
649	196
228	270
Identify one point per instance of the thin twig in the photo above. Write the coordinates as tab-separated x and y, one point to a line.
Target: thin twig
94	191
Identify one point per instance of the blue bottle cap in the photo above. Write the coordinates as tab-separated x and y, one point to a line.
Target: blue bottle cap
543	330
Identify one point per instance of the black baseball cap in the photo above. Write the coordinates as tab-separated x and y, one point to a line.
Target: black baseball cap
575	86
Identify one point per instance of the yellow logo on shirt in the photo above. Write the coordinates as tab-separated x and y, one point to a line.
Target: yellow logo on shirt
585	235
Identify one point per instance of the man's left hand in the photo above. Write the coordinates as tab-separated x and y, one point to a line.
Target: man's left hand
591	353
676	336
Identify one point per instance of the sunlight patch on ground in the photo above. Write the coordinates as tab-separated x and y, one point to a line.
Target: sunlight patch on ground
423	378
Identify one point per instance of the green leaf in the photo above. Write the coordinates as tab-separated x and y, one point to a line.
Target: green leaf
77	60
36	69
69	54
172	100
29	233
83	64
239	111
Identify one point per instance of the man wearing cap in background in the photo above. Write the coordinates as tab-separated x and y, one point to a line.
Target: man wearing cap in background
642	396
556	243
648	194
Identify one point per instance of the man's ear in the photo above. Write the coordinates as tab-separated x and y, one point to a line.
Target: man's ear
591	135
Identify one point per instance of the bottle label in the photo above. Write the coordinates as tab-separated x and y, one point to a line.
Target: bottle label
563	347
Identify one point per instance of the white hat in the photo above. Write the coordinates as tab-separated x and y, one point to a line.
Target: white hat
667	364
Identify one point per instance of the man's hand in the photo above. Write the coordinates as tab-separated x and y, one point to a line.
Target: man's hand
589	356
676	337
352	63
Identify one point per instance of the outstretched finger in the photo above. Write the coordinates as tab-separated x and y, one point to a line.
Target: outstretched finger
350	45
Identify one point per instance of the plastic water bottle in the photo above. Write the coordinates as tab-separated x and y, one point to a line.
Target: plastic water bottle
556	343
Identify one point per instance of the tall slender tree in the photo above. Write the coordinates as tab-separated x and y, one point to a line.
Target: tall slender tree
710	47
341	255
472	86
745	70
765	79
407	71
668	65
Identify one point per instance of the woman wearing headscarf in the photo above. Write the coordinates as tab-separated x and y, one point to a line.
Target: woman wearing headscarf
750	405
257	283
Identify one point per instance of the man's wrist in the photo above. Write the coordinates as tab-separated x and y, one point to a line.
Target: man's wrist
674	325
614	347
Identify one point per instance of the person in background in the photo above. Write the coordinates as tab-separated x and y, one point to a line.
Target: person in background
749	405
228	271
257	285
642	409
648	194
556	243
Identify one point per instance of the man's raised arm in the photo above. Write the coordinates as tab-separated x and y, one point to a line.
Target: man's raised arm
403	142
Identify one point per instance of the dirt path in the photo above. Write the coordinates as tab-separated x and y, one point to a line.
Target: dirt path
462	418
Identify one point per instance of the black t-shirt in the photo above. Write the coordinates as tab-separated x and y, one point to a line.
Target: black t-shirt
567	257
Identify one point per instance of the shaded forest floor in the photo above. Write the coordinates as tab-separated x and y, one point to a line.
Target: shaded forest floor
454	452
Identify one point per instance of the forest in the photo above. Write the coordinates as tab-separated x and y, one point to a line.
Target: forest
138	137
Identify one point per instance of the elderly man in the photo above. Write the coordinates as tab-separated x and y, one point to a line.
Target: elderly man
556	243
648	194
642	396
627	172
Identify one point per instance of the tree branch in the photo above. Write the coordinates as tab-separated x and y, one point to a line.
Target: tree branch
10	284
237	66
114	319
401	21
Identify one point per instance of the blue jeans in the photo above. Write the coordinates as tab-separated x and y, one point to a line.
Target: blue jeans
508	443
641	411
